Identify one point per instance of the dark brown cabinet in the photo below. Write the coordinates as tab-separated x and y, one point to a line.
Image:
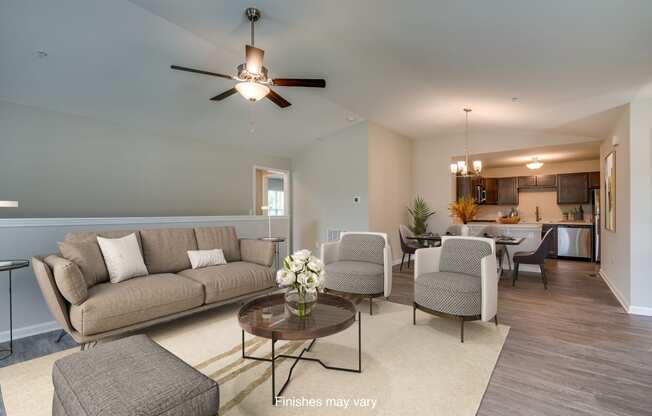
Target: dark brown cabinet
464	187
507	191
491	191
547	181
552	250
527	181
573	188
537	181
594	180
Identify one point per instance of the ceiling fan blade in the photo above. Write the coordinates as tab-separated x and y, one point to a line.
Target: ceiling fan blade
254	59
224	95
298	82
277	99
199	71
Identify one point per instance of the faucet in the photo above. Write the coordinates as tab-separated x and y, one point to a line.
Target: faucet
536	213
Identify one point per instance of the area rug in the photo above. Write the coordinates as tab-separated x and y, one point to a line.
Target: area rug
406	369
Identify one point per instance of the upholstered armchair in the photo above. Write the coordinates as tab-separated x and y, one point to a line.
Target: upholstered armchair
360	263
457	280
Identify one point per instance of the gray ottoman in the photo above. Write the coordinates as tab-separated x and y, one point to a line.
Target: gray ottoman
131	376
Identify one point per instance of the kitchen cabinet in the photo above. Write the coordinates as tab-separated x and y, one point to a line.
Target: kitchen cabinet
464	187
491	191
552	249
507	191
573	188
547	181
594	180
527	181
537	181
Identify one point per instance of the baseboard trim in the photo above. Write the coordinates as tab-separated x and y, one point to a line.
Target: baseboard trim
28	331
640	310
619	296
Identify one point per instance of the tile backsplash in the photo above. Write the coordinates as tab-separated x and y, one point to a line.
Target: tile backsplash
549	210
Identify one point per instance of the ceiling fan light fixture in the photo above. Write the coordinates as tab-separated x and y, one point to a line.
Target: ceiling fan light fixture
252	91
535	164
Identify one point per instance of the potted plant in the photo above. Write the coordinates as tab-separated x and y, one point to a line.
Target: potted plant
464	209
303	275
420	212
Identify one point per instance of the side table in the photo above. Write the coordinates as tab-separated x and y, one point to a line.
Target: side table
9	266
277	249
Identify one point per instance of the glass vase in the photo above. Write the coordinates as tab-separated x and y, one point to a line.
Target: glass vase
300	303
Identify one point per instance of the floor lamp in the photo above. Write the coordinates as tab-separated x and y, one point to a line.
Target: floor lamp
269	221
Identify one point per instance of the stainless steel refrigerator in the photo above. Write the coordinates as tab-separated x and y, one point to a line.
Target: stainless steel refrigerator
596	225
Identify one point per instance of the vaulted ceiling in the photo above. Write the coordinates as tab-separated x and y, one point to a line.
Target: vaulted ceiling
411	66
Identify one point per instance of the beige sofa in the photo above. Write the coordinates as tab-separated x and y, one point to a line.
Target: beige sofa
171	290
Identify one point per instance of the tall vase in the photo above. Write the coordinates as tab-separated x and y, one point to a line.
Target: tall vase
299	302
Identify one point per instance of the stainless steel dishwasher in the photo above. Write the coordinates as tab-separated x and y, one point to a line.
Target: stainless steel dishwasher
574	241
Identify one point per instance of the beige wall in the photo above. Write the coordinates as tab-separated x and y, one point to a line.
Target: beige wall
325	178
60	165
615	250
431	161
527	203
390	183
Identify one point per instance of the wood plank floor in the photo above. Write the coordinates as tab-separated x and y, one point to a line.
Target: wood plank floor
572	350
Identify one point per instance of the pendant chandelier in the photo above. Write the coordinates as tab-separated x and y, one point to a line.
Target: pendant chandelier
461	168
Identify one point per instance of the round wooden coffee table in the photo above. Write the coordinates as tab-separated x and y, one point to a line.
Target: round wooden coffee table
267	317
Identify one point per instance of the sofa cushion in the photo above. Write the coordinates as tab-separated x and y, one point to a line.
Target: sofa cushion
128	377
86	236
166	249
362	247
69	278
231	280
209	238
88	256
116	305
463	255
452	293
355	277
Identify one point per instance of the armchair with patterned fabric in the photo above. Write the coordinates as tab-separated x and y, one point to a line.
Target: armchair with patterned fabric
457	280
360	263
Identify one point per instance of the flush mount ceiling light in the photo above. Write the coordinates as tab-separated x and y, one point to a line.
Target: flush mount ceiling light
461	168
535	164
253	82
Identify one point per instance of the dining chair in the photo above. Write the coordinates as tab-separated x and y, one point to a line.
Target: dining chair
408	247
537	256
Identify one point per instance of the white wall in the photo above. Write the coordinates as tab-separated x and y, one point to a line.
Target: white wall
23	238
390	183
431	161
615	245
641	205
325	178
60	165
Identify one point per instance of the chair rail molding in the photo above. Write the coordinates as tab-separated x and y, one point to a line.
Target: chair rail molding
63	222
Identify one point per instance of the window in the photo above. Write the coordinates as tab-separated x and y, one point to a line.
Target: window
270	192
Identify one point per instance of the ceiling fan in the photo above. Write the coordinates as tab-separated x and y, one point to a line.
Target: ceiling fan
253	83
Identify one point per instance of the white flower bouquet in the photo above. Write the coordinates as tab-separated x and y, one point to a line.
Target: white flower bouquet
303	274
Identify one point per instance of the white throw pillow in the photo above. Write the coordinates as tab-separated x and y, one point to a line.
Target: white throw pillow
205	258
122	257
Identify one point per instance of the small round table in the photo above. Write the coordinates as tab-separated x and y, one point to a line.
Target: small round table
9	266
267	317
277	249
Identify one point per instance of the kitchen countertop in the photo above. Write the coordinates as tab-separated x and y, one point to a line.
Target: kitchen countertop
551	222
